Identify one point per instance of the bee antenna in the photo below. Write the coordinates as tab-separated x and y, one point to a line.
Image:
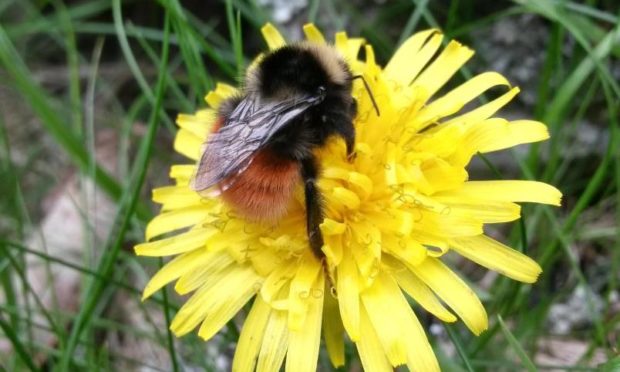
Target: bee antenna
372	98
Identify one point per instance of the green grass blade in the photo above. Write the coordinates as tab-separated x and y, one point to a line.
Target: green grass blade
313	10
594	185
122	219
199	78
182	103
133	63
160	88
73	65
412	22
234	28
76	12
29	290
169	336
525	360
612	365
53	122
19	348
56	260
460	349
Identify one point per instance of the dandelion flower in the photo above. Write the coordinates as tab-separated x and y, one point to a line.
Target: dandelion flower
390	216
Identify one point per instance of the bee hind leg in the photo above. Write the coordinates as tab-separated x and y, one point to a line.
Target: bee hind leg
314	208
314	213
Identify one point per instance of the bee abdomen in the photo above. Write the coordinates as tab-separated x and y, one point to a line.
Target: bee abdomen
265	189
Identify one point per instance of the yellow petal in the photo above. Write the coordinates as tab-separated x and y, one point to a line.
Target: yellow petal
442	223
313	34
483	210
348	296
264	260
379	300
454	292
209	272
496	134
368	254
438	141
516	133
420	354
405	249
393	220
331	227
217	302
443	175
411	57
415	288
511	191
348	47
353	48
333	331
276	281
188	144
485	111
226	299
498	257
369	347
371	66
335	172
226	90
361	183
215	97
176	219
431	242
301	292
272	36
175	268
199	124
275	343
348	198
251	337
390	164
456	99
182	173
333	249
180	243
341	41
174	197
214	100
303	348
441	70
234	242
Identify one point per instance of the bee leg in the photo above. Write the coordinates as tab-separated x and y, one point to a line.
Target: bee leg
314	210
350	141
314	216
351	146
344	127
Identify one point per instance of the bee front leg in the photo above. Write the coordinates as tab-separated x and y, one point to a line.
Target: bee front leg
314	209
343	125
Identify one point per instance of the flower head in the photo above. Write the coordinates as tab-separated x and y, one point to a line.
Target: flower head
390	216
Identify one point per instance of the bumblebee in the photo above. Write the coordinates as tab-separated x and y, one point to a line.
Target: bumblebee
263	141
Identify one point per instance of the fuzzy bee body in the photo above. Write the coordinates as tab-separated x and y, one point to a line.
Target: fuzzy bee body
265	189
263	145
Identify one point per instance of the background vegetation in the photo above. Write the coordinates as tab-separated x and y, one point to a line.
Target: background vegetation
89	91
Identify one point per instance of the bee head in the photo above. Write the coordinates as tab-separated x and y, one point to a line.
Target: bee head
304	68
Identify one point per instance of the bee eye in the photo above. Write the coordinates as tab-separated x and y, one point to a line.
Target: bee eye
321	90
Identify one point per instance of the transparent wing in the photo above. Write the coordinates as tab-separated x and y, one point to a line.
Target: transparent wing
249	127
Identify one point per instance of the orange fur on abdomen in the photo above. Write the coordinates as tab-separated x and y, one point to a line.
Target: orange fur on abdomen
265	189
